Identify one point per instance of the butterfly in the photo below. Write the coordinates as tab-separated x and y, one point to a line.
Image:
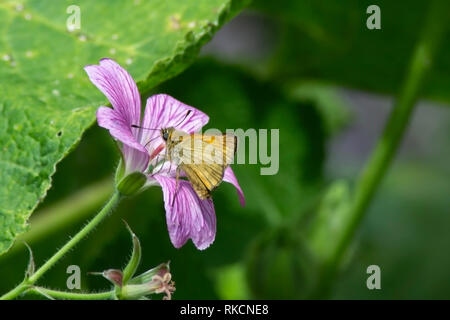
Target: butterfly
202	157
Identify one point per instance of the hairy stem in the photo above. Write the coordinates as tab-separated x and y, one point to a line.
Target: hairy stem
72	295
28	283
64	213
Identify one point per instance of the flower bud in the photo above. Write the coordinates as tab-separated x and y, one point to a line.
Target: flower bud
132	183
160	282
156	280
147	276
113	275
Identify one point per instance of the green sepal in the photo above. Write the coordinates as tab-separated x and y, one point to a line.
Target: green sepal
131	184
147	276
135	258
31	265
120	171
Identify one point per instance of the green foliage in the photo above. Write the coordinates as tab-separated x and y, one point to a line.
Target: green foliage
405	233
233	99
280	266
331	43
46	100
231	282
333	110
276	246
332	214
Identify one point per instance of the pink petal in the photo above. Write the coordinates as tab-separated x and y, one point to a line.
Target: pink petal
110	119
189	217
119	87
135	160
231	178
163	111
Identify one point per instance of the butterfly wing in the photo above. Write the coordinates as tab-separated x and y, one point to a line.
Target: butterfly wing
204	177
204	158
199	148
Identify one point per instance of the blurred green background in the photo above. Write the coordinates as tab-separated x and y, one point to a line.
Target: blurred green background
316	73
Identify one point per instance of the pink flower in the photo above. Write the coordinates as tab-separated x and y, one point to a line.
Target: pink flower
143	150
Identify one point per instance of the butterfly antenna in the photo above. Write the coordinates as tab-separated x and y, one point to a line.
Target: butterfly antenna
176	186
136	126
184	118
150	141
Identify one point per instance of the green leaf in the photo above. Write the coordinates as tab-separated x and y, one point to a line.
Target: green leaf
46	100
332	107
331	42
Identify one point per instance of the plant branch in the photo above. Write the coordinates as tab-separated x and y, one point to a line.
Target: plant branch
64	213
28	283
72	295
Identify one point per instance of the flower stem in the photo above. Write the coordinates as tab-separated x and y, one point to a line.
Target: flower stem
393	132
73	295
27	283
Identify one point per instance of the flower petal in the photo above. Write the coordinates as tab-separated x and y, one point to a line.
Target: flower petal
110	119
119	87
229	177
188	216
163	111
135	160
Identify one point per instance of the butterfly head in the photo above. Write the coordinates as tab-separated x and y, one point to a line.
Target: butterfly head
166	133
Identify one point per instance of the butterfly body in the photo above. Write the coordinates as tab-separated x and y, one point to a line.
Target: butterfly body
203	158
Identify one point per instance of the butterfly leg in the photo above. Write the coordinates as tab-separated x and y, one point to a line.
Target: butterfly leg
156	163
162	166
177	177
